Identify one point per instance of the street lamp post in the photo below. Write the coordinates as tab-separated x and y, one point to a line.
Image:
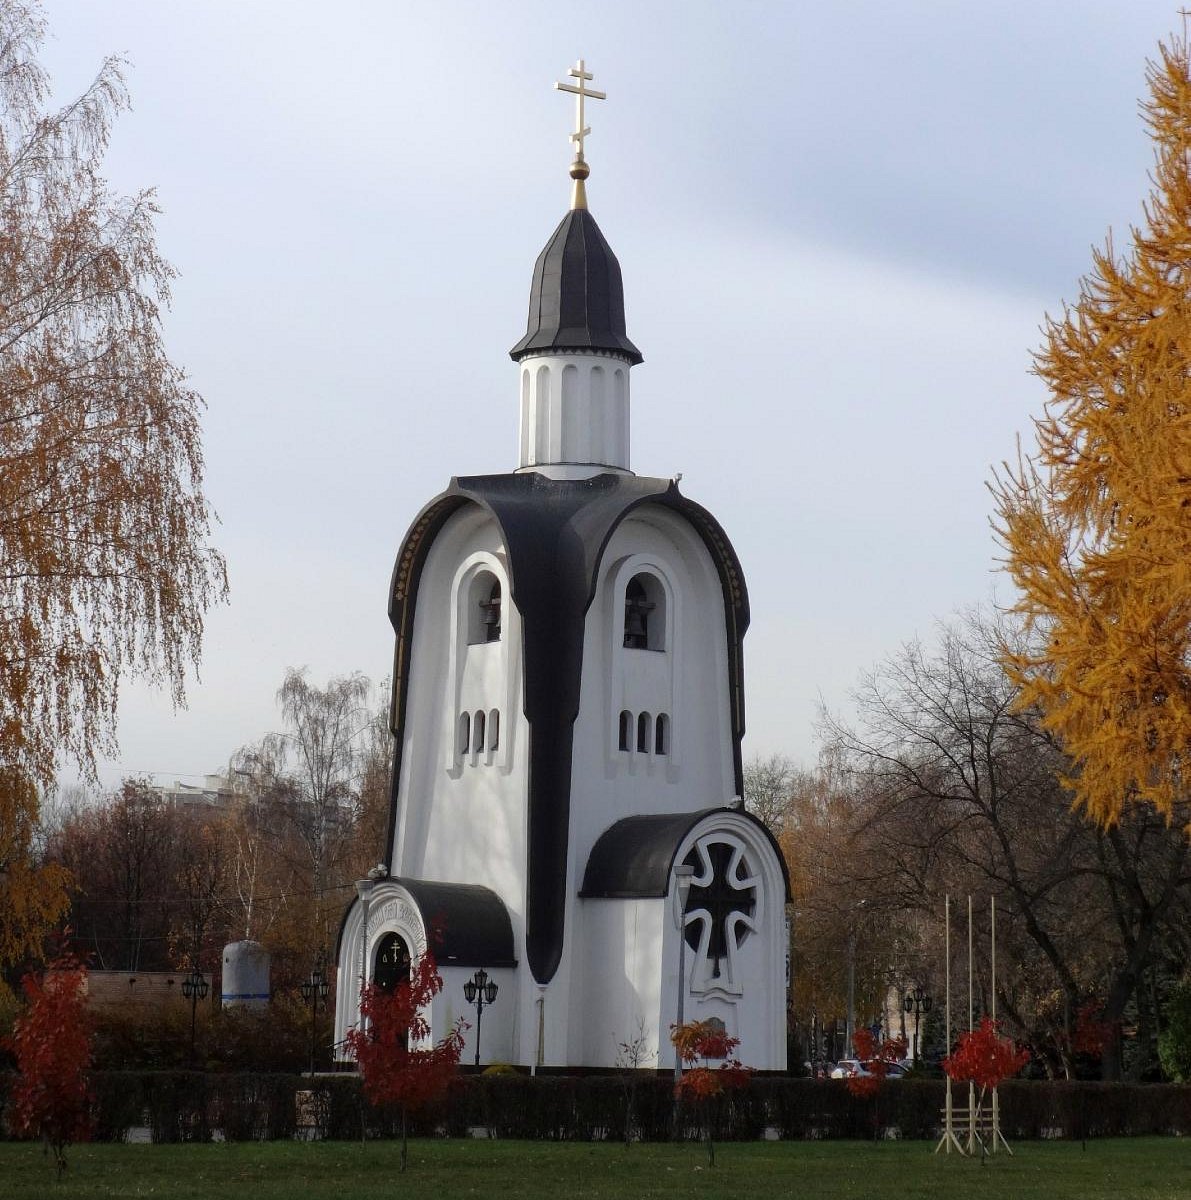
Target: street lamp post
480	990
194	988
850	1031
313	990
917	1002
683	874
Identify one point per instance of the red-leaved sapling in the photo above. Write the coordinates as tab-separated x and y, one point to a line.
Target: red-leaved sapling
698	1044
985	1058
389	1046
51	1041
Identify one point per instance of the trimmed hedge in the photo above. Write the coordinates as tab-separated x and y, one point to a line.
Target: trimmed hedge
184	1106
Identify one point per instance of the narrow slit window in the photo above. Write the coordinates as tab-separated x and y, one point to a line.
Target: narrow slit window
643	732
478	724
661	735
464	733
626	726
494	729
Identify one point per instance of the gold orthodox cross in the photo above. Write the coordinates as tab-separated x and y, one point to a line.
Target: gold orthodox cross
581	93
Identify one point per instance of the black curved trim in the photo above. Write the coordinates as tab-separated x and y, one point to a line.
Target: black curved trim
634	857
555	533
467	924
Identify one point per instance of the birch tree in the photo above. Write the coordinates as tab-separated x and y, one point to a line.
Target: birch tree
105	571
309	776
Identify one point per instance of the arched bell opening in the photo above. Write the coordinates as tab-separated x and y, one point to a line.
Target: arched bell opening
483	610
645	613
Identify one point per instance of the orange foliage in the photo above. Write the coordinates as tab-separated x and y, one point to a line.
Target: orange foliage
104	569
701	1041
33	895
1097	523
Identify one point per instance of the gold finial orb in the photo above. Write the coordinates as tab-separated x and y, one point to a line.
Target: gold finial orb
580	169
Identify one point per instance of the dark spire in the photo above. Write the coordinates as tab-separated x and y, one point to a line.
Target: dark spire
576	300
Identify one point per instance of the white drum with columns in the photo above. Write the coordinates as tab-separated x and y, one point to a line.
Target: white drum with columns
574	414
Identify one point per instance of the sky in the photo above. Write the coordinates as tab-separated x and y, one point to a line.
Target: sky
840	227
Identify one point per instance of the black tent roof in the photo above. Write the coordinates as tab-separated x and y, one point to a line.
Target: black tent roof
576	300
634	857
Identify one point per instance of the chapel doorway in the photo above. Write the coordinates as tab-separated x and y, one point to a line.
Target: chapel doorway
392	962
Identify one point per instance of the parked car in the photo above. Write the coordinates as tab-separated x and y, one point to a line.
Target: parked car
851	1068
848	1068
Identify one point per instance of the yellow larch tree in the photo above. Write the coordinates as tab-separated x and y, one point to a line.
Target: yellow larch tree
1096	523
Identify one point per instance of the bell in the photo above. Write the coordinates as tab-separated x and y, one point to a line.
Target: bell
491	619
636	628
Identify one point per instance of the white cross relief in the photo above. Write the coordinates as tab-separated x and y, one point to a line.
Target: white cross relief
581	93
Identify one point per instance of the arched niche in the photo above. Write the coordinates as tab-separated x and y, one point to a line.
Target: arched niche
484	598
645	613
392	962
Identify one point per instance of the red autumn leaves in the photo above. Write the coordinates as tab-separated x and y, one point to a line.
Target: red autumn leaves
388	1044
877	1057
984	1057
51	1042
698	1043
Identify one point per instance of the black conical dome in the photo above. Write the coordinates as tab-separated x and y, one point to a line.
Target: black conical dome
576	300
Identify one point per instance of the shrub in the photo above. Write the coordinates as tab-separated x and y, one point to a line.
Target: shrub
194	1106
1174	1042
269	1039
51	1041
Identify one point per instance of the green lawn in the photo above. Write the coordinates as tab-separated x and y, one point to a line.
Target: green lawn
1140	1169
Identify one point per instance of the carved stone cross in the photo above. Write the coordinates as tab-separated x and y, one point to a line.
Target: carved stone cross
723	898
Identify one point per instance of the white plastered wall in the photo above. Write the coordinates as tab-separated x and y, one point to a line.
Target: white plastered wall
461	818
688	681
621	981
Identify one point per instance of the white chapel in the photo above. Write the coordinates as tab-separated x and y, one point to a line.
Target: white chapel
568	708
